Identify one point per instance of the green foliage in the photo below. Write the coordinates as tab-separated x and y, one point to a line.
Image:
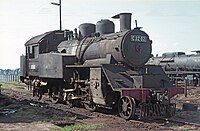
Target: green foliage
12	84
82	127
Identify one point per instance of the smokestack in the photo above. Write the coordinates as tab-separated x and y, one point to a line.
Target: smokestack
125	21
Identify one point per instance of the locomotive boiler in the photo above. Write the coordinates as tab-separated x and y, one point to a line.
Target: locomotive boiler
98	67
178	64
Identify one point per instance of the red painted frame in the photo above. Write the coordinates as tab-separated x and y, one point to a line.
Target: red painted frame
143	94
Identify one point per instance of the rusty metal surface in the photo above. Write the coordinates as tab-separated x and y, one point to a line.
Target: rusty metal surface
51	65
173	91
118	77
121	77
33	67
97	69
23	65
68	47
138	94
125	21
105	26
178	63
136	48
35	39
131	47
86	29
39	38
96	85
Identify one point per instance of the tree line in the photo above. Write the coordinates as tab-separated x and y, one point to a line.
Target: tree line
9	72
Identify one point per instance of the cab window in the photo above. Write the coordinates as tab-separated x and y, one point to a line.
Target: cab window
33	51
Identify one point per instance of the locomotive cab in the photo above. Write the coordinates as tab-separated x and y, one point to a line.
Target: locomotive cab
37	45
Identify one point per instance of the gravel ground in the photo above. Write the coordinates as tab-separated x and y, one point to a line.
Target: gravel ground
20	111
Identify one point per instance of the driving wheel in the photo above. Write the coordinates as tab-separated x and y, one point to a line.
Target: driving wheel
90	106
126	107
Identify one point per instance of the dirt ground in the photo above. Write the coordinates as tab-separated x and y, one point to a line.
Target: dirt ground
19	111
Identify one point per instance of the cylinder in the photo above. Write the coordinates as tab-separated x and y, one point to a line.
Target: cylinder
105	26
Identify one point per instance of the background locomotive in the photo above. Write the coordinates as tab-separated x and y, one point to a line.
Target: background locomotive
178	65
99	69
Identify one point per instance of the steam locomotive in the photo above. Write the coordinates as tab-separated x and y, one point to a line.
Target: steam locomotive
99	68
179	65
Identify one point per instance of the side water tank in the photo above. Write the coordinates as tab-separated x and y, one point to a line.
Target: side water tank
105	26
86	29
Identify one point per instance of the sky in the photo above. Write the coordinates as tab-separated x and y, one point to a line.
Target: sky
172	25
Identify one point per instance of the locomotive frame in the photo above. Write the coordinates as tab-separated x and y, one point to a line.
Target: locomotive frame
99	69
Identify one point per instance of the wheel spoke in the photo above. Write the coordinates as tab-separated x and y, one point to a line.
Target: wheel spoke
126	107
126	100
123	101
129	108
125	113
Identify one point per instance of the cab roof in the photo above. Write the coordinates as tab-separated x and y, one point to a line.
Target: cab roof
39	38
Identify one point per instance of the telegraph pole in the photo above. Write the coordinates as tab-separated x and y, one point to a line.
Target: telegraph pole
59	4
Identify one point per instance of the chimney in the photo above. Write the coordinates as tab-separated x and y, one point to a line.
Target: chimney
125	21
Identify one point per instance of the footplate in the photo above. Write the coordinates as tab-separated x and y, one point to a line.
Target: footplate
154	111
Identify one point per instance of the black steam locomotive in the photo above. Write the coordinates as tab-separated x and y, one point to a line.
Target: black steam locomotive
99	69
180	66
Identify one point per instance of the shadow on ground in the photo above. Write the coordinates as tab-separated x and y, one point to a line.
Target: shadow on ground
25	111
